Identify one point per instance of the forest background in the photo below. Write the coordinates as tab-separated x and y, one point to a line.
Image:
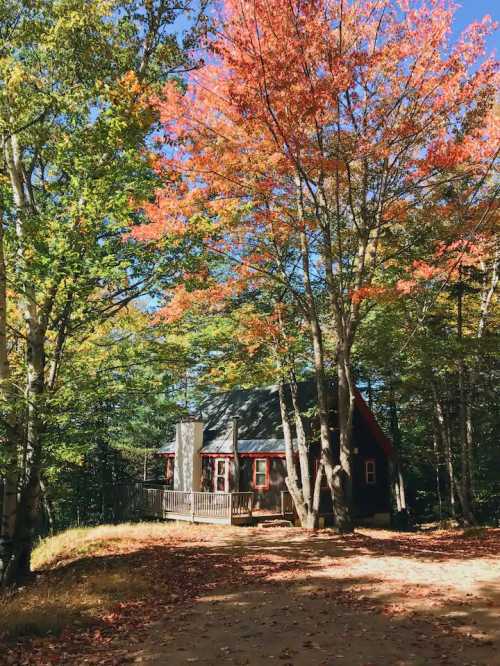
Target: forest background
113	323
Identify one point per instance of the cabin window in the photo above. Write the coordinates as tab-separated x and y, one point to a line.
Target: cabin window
261	473
221	476
370	472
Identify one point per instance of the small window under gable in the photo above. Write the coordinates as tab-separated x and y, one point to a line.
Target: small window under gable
370	472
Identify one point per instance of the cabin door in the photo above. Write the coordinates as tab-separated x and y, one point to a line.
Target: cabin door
221	476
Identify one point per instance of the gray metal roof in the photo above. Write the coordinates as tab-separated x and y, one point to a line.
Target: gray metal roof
169	447
224	445
245	446
259	419
257	410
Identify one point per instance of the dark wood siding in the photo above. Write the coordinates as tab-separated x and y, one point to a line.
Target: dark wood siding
369	499
269	499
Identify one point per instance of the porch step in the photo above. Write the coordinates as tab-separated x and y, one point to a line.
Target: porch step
275	523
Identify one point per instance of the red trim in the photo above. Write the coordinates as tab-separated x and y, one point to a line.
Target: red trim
267	483
267	454
382	440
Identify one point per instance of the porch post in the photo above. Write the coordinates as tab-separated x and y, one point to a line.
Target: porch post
192	506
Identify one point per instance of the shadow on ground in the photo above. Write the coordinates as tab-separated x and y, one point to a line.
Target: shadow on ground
252	596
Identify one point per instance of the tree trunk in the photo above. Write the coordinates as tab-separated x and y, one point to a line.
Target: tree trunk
292	480
446	443
35	322
29	509
343	486
398	486
11	440
465	494
334	476
47	505
437	467
305	474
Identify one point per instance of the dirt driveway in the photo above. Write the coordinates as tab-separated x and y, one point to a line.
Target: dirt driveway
376	598
177	595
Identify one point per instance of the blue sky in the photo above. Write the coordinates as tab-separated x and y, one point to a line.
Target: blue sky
469	11
473	10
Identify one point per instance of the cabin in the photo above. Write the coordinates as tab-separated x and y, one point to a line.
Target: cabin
234	453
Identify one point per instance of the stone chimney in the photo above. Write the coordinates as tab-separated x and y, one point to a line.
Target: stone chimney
188	443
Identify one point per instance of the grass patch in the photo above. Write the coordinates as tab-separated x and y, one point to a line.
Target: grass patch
88	541
83	573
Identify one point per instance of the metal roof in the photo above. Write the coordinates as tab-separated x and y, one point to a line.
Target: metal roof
245	446
259	419
169	447
224	445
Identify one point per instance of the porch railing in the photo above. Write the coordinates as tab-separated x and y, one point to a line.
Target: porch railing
161	503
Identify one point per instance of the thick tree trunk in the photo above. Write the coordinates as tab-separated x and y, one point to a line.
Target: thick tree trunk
35	327
334	476
11	440
29	509
343	486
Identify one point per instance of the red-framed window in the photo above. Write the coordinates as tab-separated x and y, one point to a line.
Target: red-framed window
221	475
324	482
261	473
370	472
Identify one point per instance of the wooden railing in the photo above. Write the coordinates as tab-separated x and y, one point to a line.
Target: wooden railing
161	503
241	504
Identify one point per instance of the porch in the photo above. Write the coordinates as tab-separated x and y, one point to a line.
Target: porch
218	508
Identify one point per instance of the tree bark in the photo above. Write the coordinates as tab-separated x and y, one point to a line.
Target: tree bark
465	494
446	442
337	477
437	467
343	503
398	486
305	474
35	323
10	443
292	480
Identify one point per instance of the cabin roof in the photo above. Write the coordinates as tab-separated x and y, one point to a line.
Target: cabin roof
257	410
169	447
259	419
224	445
245	446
